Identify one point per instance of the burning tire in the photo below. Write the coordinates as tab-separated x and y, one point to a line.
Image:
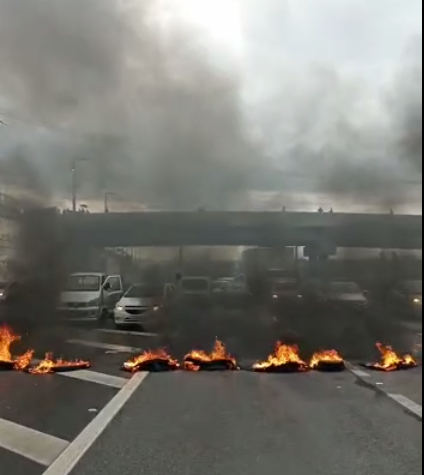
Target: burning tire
330	367
193	364
285	359
7	365
329	361
218	360
286	368
152	362
391	361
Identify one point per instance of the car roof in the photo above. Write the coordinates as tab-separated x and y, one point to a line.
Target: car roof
81	274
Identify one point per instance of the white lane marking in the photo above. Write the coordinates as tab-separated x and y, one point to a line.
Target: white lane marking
124	332
99	378
407	403
31	444
357	371
105	346
69	458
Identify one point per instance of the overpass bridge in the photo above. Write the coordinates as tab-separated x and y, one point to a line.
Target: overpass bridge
265	229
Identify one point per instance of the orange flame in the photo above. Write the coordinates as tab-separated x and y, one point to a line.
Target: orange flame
135	364
7	339
327	356
282	356
219	353
391	361
50	365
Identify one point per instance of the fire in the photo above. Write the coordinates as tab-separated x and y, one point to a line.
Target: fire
391	361
23	362
326	360
158	360
285	357
7	339
218	359
50	365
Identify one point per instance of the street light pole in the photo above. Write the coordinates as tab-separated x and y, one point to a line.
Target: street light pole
74	187
74	182
108	194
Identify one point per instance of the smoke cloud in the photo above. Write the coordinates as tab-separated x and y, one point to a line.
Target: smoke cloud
157	120
162	122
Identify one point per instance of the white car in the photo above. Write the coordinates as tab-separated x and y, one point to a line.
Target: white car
142	305
90	296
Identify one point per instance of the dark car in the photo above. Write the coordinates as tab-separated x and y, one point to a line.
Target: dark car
285	292
407	296
348	295
3	287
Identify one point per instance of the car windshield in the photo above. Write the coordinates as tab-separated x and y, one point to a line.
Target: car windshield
284	286
344	288
195	285
413	286
145	291
83	283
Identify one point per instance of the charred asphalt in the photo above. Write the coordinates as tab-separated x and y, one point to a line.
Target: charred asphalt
107	422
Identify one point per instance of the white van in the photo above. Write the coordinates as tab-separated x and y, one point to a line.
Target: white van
90	296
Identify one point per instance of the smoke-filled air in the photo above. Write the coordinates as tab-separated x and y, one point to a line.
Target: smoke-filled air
163	120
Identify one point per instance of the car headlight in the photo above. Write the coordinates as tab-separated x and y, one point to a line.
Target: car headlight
418	301
119	307
275	296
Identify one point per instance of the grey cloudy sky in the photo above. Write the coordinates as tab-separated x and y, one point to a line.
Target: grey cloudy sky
318	77
363	36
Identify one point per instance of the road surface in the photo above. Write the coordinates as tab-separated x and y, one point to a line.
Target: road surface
105	422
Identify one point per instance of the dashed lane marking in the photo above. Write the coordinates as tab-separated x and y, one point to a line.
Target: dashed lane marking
105	346
69	458
31	444
99	378
408	404
357	371
125	332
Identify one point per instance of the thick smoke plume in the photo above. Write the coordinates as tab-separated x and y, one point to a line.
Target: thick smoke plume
355	143
157	121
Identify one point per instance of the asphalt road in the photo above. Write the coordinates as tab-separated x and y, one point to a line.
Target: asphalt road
105	422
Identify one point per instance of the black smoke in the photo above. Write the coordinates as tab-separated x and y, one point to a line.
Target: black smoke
157	119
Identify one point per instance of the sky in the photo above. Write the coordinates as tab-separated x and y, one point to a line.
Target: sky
306	72
364	36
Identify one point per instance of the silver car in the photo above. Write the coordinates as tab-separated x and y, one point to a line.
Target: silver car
143	306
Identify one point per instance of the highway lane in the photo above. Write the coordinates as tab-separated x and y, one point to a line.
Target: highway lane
232	423
248	424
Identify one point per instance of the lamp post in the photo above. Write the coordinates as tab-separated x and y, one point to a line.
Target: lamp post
74	182
108	194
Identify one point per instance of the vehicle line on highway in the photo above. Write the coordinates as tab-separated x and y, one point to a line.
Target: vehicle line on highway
406	403
357	371
105	346
29	443
99	378
69	458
